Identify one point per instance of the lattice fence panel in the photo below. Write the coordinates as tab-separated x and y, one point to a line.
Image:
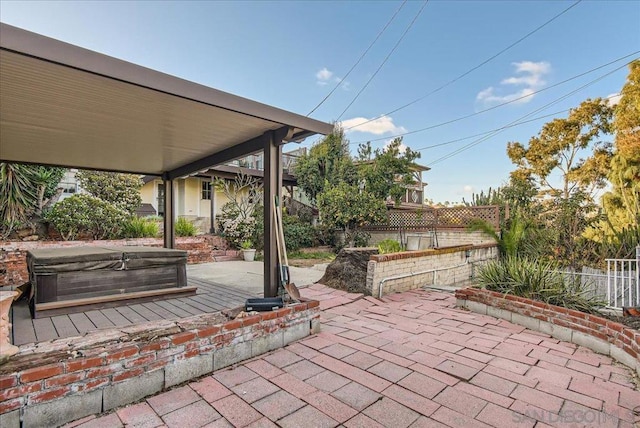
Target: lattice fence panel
430	218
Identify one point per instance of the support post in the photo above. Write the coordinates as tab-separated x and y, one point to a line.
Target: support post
212	228
169	221
272	188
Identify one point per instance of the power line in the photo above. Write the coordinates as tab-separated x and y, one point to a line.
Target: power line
448	122
474	68
385	59
359	59
481	140
522	122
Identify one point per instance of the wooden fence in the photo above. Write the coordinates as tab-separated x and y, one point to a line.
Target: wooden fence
438	218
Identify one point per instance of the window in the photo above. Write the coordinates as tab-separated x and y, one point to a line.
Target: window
206	190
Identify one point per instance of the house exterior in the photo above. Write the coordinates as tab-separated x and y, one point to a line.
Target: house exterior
197	200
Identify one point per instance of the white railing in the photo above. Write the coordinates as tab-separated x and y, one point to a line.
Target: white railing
623	283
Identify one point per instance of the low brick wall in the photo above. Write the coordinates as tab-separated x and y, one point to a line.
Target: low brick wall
591	331
13	254
51	383
408	270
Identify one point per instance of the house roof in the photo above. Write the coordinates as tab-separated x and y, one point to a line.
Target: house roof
65	105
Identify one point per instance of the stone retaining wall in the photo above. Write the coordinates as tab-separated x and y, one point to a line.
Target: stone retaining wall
13	254
51	383
397	272
596	333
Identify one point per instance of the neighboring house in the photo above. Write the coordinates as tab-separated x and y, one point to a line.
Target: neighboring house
69	184
414	194
196	198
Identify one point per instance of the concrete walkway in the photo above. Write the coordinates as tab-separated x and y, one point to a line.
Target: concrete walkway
247	276
410	360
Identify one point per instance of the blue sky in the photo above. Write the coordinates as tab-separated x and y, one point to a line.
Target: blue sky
291	54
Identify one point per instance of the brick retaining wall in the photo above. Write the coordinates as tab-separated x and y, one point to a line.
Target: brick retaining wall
409	270
596	333
13	254
51	383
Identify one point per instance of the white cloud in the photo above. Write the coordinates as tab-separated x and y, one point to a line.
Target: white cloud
325	76
528	74
379	126
468	189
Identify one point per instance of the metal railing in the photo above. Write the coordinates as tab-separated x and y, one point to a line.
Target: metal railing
623	282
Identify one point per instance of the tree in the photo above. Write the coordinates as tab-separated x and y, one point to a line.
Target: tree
25	190
570	151
389	171
327	164
343	207
618	232
120	190
558	150
238	219
622	204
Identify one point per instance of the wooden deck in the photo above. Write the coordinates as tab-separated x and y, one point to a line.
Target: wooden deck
210	297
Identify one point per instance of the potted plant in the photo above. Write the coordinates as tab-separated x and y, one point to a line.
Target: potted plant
248	253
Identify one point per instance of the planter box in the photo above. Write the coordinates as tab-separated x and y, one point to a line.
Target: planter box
66	280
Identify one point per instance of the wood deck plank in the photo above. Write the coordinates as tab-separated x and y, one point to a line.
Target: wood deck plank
211	297
82	322
163	312
99	319
44	329
64	326
204	306
23	330
212	301
130	314
115	317
148	314
177	311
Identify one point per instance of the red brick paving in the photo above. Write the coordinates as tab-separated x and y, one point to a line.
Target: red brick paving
408	360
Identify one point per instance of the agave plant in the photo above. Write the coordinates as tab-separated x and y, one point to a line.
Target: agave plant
18	195
537	280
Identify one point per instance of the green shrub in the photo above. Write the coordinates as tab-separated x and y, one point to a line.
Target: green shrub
184	227
297	234
389	246
140	227
537	280
87	215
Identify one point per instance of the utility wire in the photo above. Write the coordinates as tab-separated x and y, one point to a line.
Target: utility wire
359	59
438	125
472	69
385	60
522	122
481	140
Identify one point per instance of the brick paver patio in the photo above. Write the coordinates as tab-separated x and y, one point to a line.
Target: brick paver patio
408	360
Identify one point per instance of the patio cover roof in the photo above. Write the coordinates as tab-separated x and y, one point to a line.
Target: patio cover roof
64	105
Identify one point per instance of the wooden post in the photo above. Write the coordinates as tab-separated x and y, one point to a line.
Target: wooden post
169	223
272	189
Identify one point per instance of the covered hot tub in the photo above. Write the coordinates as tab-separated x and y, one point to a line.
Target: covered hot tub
76	279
